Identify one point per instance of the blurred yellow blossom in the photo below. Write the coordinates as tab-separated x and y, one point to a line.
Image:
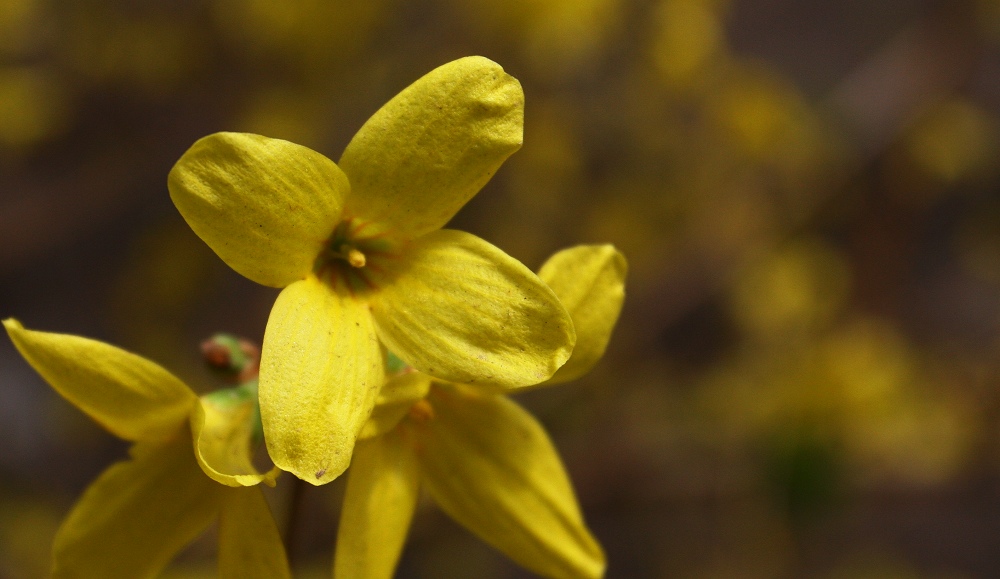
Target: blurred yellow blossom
688	38
19	25
954	140
766	118
309	35
558	39
152	52
859	386
801	286
33	106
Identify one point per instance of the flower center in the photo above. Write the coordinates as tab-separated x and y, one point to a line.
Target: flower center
351	257
356	258
347	252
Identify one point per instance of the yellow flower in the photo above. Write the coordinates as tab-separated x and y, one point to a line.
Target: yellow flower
140	512
359	251
485	460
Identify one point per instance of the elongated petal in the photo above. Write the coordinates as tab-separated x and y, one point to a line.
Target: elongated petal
265	206
250	545
394	401
127	394
381	495
320	372
461	310
137	515
491	467
590	281
434	145
222	426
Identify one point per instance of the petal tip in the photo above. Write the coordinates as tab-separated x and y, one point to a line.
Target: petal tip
310	471
12	325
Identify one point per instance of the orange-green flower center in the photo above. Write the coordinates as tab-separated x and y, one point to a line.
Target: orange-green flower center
353	257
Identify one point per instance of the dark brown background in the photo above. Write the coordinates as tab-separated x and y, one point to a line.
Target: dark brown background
804	381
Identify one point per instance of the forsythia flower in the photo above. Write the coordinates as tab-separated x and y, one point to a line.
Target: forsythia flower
358	249
485	460
140	512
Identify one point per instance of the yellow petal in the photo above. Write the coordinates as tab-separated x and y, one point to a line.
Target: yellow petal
320	372
222	426
590	281
250	545
127	394
381	495
265	206
137	515
434	145
461	310
492	468
394	401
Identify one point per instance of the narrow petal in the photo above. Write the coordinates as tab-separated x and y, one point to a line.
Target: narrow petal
265	206
491	467
223	427
434	145
381	495
320	372
461	310
394	401
127	394
250	545
137	515
590	281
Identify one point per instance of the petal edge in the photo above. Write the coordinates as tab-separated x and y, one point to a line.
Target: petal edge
381	496
461	310
433	146
134	398
265	206
590	281
490	465
222	435
320	373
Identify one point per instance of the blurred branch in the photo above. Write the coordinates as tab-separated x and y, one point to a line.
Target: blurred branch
923	64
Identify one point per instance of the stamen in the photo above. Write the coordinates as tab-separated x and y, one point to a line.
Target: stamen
356	258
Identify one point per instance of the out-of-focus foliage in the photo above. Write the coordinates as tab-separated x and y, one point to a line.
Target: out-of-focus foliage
806	377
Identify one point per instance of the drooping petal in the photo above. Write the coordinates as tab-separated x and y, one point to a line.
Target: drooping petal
461	310
265	206
431	148
127	394
250	545
137	515
320	372
381	495
590	281
491	467
223	427
394	401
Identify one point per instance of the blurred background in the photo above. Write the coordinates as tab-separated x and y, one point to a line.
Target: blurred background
805	380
